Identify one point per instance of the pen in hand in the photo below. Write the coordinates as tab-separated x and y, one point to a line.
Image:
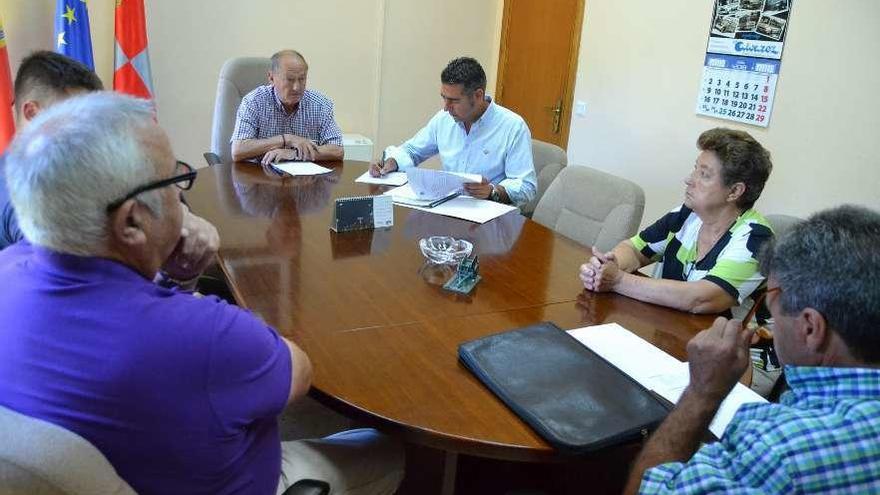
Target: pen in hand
382	165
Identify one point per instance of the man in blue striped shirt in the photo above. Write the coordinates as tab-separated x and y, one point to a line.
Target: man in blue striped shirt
472	134
285	121
824	435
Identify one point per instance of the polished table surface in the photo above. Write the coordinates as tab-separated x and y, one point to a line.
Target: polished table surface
382	334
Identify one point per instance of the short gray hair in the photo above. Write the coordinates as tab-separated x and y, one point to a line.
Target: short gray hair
275	61
831	263
73	160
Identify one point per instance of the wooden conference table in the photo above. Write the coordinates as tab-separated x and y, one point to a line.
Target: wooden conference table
380	331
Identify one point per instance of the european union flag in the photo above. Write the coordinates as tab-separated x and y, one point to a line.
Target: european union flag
72	35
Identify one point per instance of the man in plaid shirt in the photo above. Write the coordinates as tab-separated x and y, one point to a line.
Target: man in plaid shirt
285	121
824	435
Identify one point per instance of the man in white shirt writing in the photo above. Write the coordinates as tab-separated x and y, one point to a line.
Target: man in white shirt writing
472	134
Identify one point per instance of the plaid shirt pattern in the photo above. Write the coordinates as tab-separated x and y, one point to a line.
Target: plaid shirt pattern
823	437
261	115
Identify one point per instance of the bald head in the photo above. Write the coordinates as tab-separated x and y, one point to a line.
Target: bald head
288	76
279	58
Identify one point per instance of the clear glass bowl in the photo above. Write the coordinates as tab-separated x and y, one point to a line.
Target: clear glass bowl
443	249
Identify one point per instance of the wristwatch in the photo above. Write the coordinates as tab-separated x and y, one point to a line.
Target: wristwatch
494	195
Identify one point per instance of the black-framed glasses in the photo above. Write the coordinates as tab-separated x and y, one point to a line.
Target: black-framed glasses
771	290
183	180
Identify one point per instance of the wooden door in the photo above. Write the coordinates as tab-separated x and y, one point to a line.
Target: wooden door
538	62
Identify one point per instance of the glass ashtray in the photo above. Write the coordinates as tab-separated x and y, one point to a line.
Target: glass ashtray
443	249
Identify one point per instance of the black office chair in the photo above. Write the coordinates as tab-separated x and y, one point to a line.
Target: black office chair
308	487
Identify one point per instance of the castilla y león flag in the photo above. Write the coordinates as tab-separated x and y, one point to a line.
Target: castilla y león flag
132	73
7	123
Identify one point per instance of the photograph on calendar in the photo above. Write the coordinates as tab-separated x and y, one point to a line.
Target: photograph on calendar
771	26
748	20
751	4
775	6
727	7
749	28
726	25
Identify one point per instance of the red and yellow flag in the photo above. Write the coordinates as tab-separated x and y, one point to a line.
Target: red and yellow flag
132	74
7	122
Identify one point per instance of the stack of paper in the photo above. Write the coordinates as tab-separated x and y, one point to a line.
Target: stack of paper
432	185
406	196
391	179
301	168
655	369
464	207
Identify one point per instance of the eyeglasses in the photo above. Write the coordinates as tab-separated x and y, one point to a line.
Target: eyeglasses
183	180
758	302
771	290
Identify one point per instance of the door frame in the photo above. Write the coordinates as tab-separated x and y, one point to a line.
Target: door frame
568	90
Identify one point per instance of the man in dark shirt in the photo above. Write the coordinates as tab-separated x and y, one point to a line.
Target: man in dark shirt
43	79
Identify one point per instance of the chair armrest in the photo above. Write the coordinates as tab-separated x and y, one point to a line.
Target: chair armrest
545	178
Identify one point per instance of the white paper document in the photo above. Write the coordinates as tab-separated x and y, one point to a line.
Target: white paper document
391	179
468	208
405	196
455	205
301	168
430	184
655	369
383	211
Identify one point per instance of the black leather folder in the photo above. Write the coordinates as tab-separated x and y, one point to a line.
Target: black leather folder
572	397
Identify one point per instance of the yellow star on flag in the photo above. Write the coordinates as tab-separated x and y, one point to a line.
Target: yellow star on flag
69	15
60	40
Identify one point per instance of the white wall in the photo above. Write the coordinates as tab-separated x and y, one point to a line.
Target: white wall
379	60
639	73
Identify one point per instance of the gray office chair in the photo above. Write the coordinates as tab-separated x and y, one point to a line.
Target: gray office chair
782	223
40	458
549	159
591	207
238	77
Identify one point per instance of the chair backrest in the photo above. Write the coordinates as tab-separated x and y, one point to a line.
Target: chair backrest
549	159
238	77
782	223
592	207
40	458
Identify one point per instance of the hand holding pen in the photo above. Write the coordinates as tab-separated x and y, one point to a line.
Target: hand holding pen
386	166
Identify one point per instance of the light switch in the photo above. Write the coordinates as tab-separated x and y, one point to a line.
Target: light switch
580	108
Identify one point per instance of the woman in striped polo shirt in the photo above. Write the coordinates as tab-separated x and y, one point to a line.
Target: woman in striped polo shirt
705	249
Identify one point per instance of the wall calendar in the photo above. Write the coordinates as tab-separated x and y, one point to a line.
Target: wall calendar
743	58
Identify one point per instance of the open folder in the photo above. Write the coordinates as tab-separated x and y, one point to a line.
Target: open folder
567	393
405	195
429	188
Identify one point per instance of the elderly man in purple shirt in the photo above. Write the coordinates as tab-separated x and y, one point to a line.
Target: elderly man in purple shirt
285	121
181	393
